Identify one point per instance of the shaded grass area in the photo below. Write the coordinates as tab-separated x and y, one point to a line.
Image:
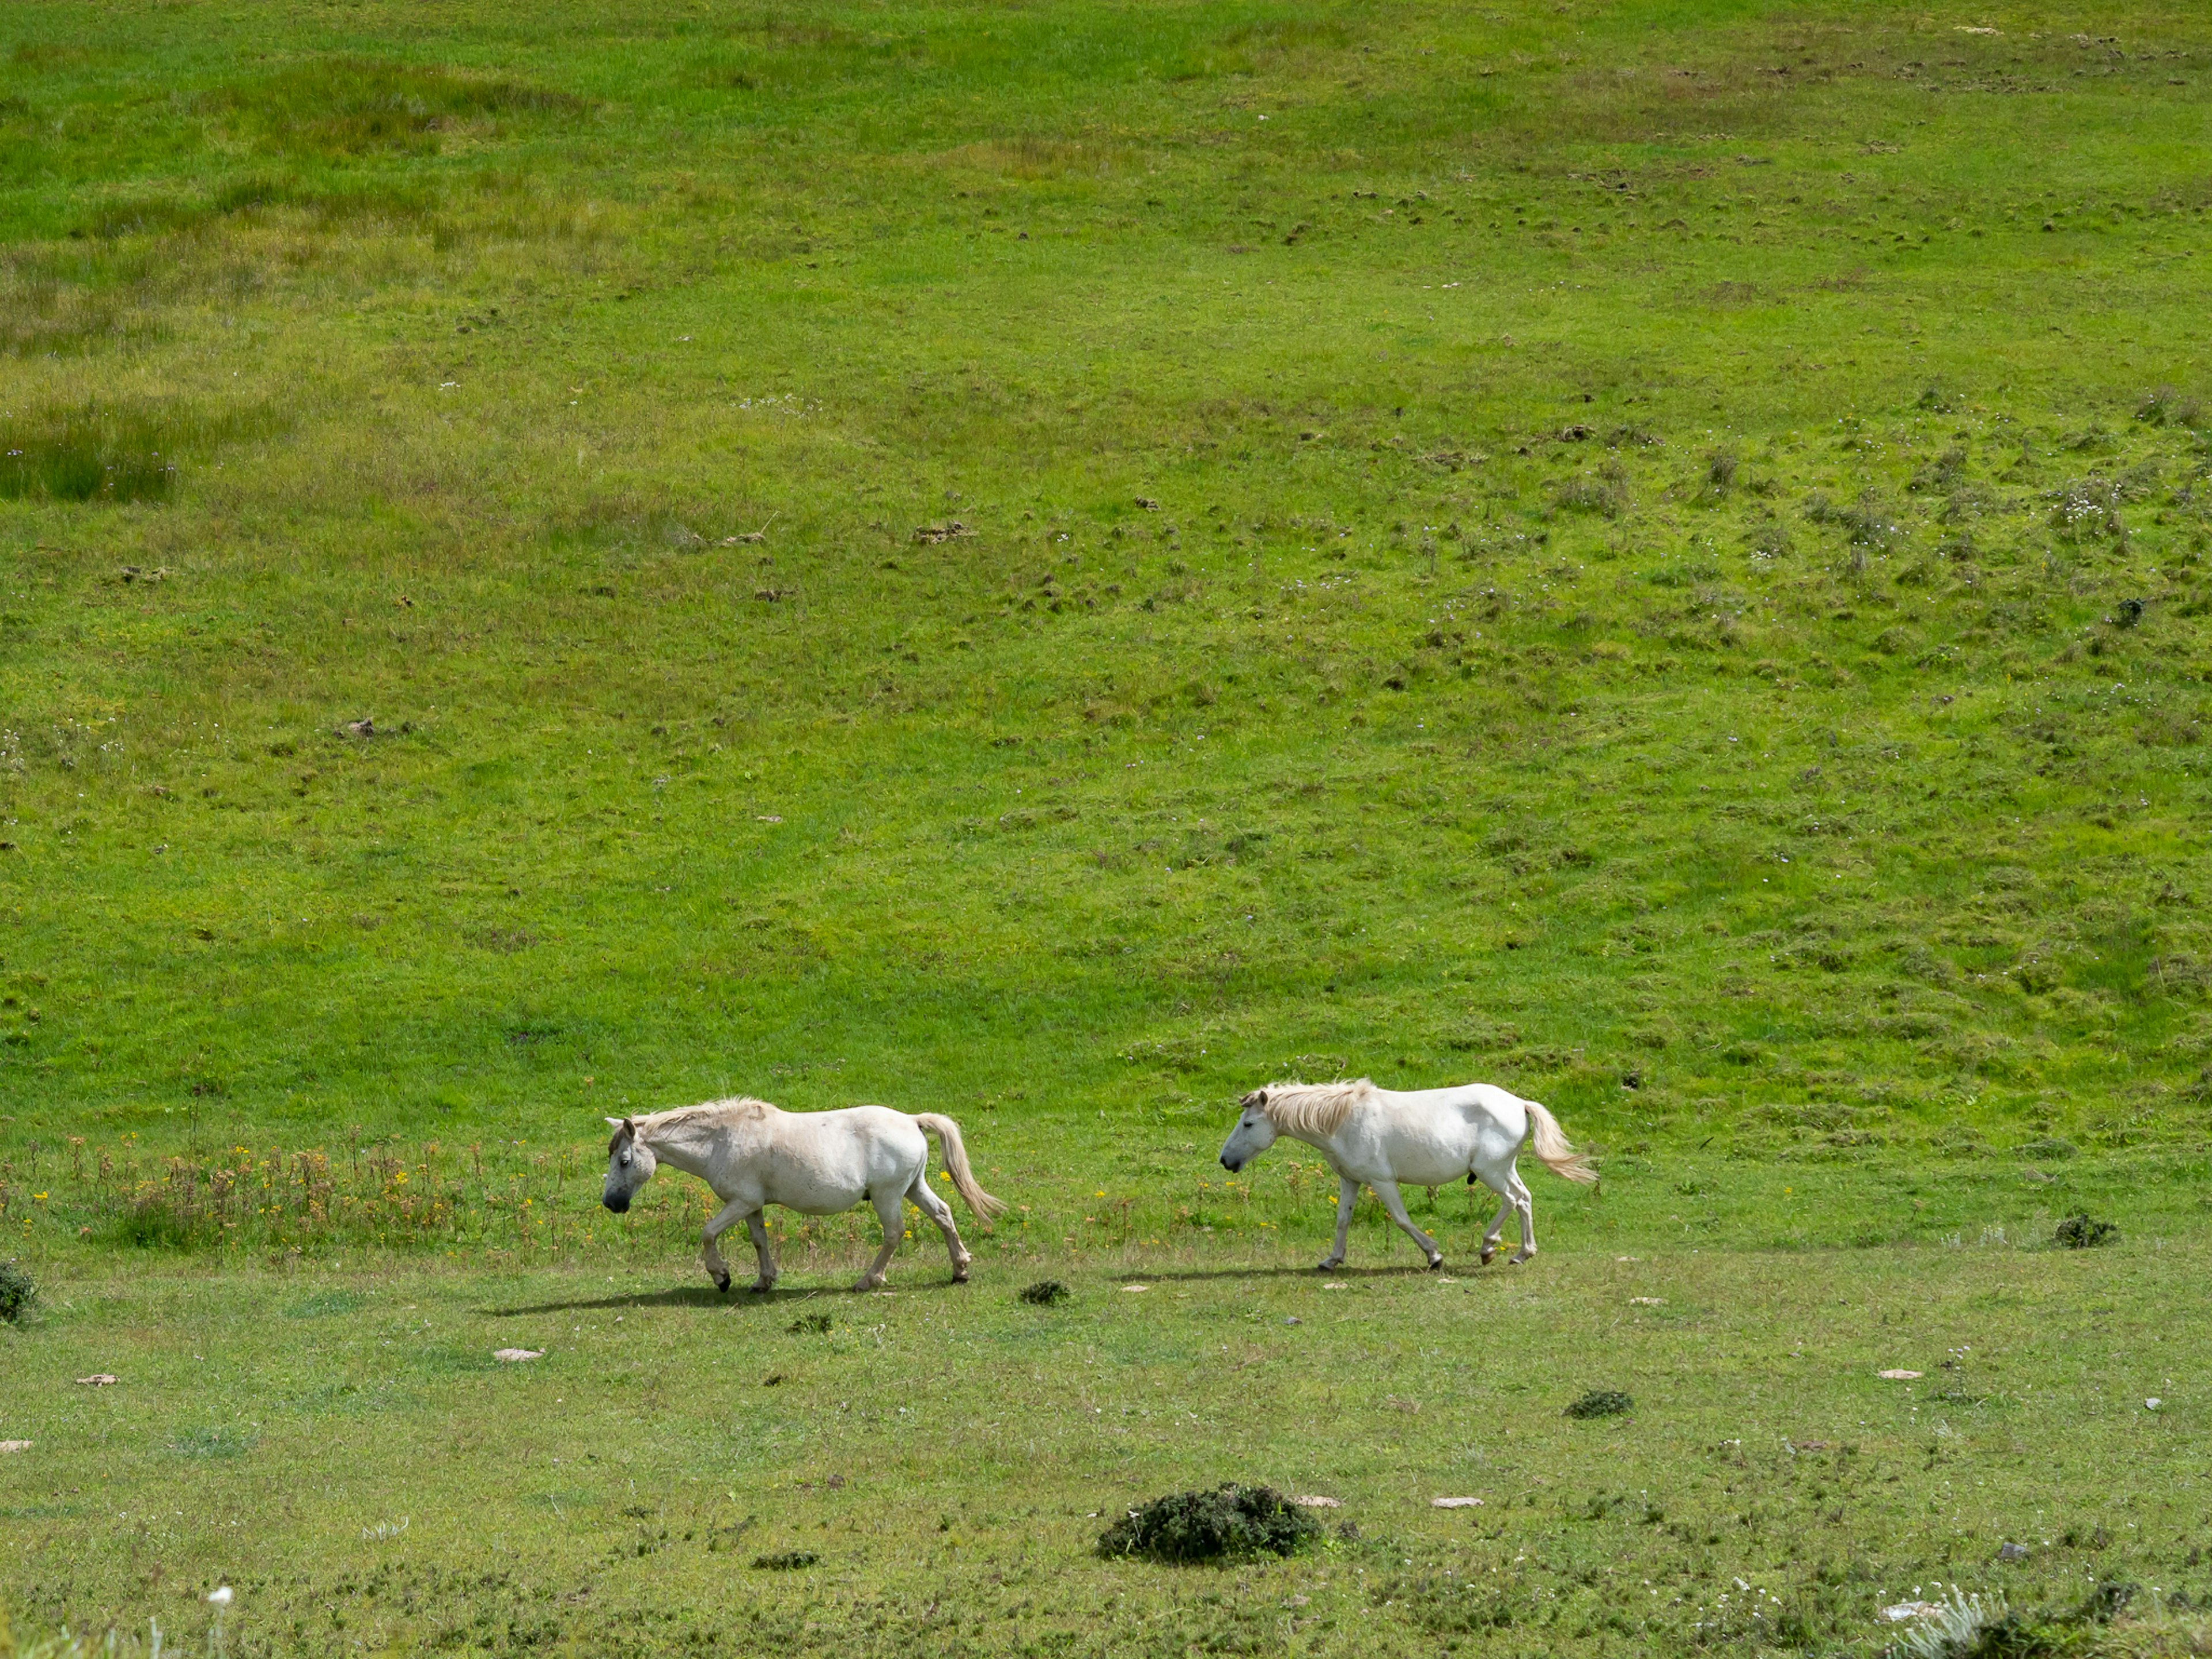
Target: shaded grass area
951	1455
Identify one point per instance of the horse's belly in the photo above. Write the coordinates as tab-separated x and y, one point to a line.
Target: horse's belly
1431	1167
815	1188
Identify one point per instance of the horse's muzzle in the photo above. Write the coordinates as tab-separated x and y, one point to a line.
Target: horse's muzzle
617	1203
1226	1164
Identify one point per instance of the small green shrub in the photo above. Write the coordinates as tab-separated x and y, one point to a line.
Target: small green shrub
1600	1403
1044	1292
17	1292
2079	1232
786	1560
816	1324
1205	1526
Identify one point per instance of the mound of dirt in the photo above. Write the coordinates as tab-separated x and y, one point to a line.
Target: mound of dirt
1205	1526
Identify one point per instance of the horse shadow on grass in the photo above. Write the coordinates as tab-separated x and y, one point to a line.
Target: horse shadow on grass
705	1296
1333	1275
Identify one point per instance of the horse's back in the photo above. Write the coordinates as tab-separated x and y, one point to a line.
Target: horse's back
1467	1100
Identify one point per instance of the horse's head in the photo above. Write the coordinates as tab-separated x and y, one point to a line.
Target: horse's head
630	1164
1253	1134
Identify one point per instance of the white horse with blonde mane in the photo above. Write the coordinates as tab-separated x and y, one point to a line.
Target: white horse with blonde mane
1425	1137
815	1163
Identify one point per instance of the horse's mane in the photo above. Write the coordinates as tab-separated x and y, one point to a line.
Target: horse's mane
743	1108
1313	1109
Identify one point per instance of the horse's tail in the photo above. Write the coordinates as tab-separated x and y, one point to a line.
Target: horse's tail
956	1165
1553	1147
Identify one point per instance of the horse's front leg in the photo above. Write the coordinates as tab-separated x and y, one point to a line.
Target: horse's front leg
710	1253
759	1229
1347	1194
1395	1202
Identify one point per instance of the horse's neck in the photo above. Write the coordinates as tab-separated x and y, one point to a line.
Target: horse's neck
683	1146
1323	1144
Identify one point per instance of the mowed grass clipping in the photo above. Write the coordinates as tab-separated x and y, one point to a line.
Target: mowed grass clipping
1052	566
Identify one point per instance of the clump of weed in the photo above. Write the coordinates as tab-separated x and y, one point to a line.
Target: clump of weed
2166	407
1938	400
2079	1232
1600	1403
1044	1293
1969	1627
786	1560
2087	510
17	1292
1771	540
1604	492
1720	471
810	1324
1870	521
2104	1604
1205	1526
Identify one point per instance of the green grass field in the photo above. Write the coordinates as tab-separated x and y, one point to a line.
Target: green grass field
1051	563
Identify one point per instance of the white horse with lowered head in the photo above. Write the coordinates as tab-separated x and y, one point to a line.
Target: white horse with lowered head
1424	1137
815	1163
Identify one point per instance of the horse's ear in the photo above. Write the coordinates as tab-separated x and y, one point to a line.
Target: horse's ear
1257	1097
617	1123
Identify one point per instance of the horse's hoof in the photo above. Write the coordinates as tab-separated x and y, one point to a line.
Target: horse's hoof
1489	1255
960	1274
722	1283
867	1283
1328	1267
1435	1263
1518	1257
761	1286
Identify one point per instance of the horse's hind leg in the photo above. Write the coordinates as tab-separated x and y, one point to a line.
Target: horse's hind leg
890	1210
1395	1202
1525	1202
1495	1230
941	1213
759	1229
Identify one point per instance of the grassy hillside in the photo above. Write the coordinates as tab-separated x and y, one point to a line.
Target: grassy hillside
1051	563
1063	562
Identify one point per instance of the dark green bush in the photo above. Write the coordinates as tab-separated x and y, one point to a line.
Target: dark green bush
1045	1292
1205	1526
17	1292
1600	1403
2078	1232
